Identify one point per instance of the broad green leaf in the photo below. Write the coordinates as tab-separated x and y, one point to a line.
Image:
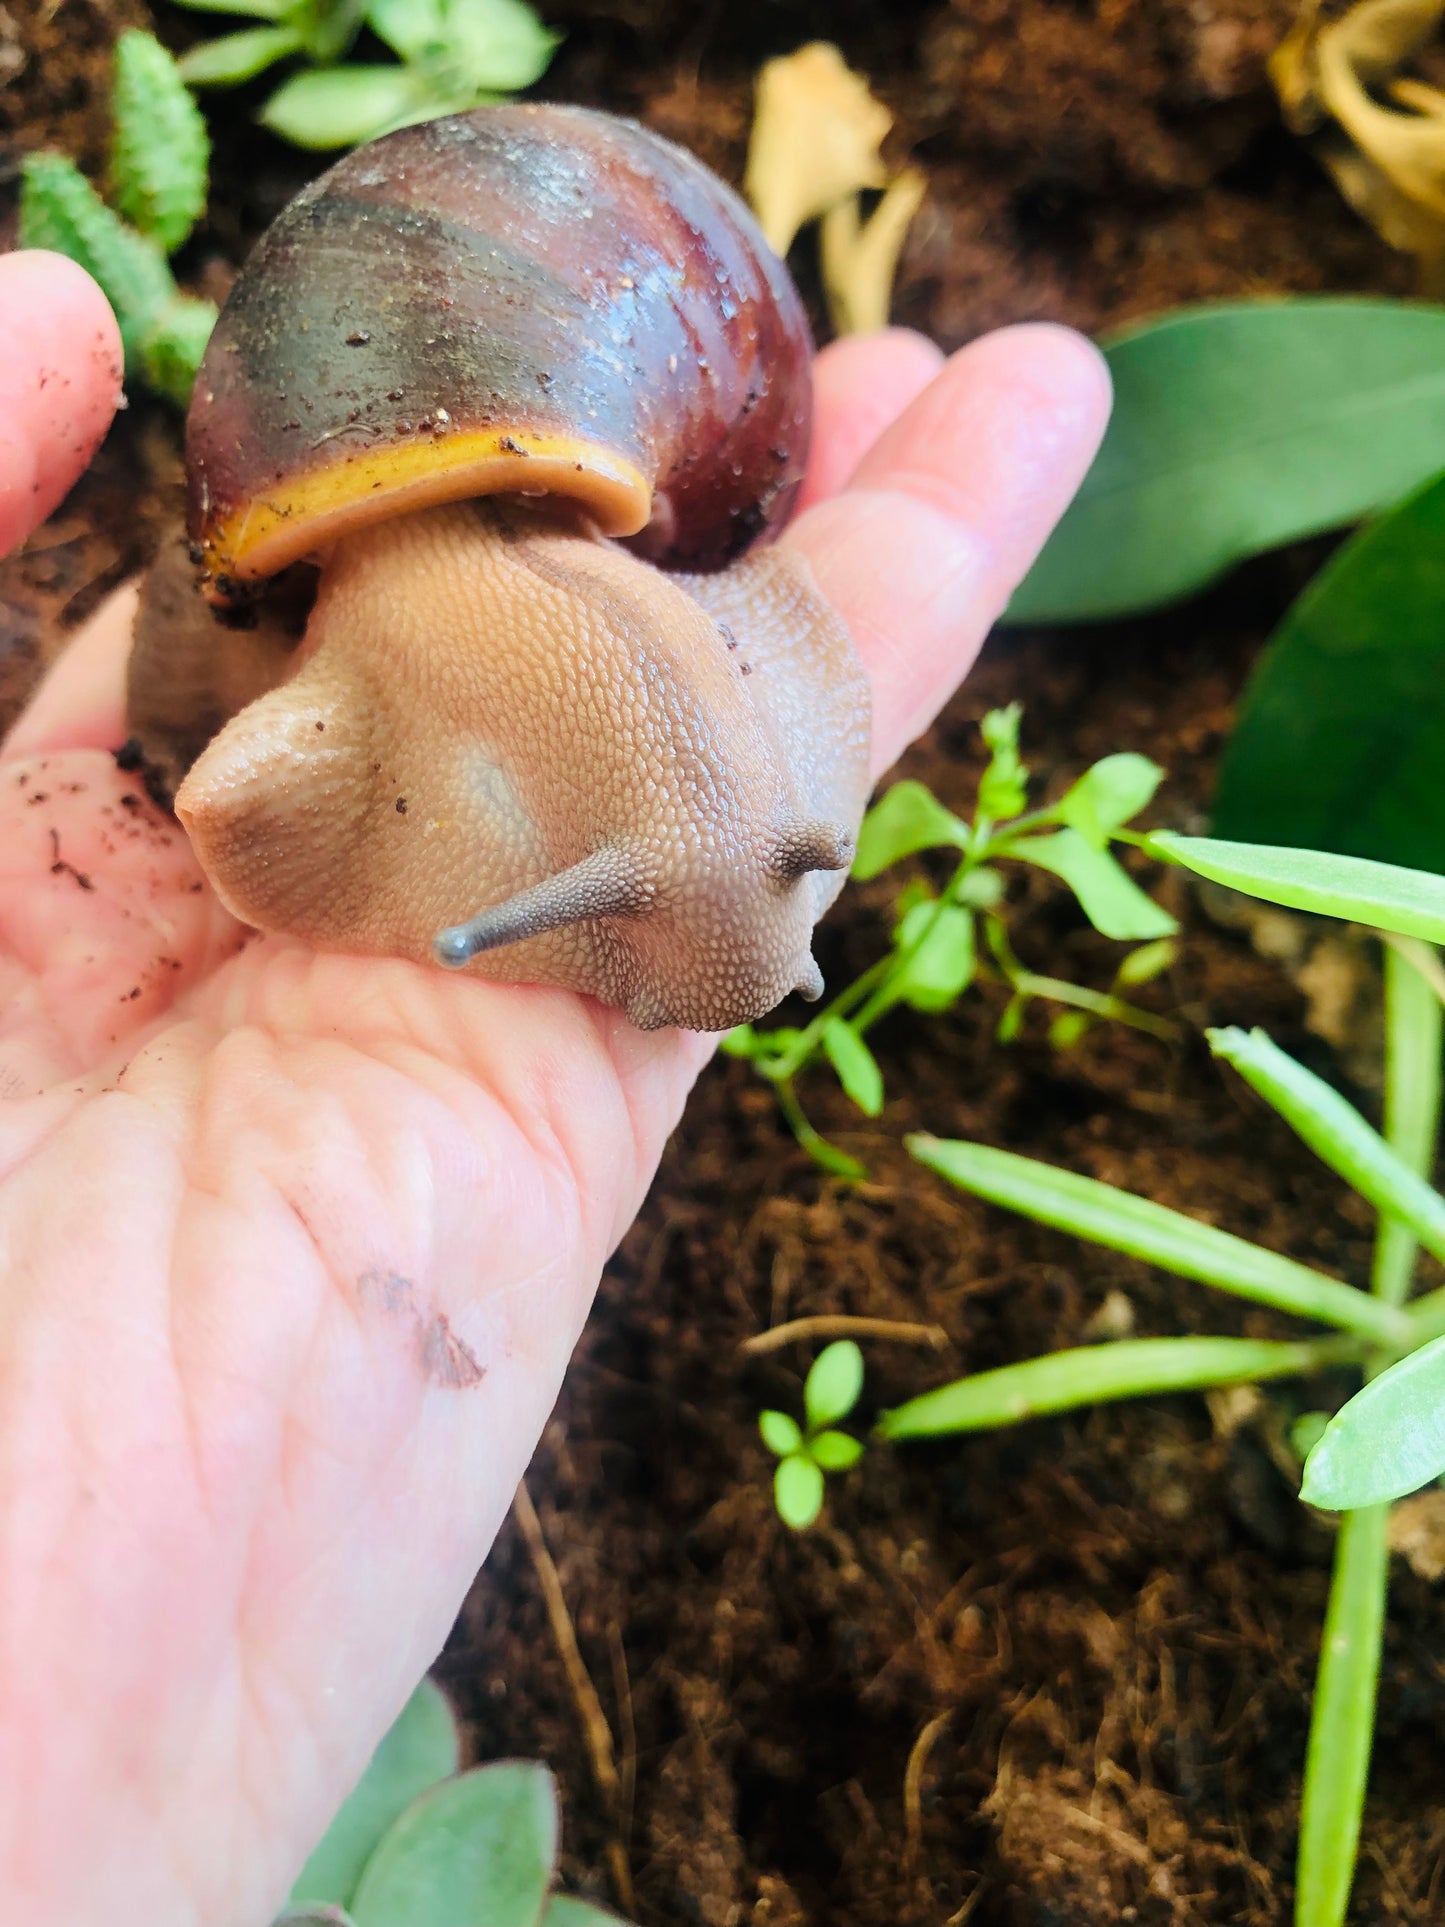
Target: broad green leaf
1090	1375
1340	738
1108	896
476	1851
834	1382
237	57
421	1749
1335	1131
780	1433
942	966
906	818
159	151
1237	428
342	106
564	1911
1381	895
1388	1440
1108	795
496	44
330	26
797	1493
835	1451
855	1064
1107	1216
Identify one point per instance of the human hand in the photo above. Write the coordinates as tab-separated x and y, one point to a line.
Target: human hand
296	1246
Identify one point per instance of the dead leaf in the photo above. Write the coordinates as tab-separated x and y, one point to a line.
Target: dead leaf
860	258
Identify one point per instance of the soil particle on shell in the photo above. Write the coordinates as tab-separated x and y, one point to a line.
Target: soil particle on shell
1118	1612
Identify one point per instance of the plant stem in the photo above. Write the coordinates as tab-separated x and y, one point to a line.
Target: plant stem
1342	1719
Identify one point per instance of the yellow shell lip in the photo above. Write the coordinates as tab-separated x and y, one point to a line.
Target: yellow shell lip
303	512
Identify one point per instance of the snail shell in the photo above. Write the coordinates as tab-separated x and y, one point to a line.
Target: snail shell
481	370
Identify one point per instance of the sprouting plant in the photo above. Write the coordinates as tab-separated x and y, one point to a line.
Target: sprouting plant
418	1841
1389	1438
158	174
830	1392
452	55
936	952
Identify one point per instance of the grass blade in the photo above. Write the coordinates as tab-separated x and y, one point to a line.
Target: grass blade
1414	1031
1382	895
1092	1374
1107	1216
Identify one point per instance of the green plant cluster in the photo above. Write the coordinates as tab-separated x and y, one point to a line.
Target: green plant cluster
450	55
829	1395
944	941
159	157
421	1842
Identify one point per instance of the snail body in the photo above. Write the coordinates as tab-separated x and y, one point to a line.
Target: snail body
530	386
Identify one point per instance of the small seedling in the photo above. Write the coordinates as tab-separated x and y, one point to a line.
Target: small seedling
830	1392
1389	1438
451	55
935	952
158	169
418	1841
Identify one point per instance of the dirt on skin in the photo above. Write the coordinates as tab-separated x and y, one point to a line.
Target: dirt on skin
1056	1676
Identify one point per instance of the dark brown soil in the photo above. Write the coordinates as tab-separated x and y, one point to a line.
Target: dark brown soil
1059	1675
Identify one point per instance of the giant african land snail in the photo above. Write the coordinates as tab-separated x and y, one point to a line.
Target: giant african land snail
647	782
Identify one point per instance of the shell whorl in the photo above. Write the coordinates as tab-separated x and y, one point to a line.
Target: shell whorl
530	299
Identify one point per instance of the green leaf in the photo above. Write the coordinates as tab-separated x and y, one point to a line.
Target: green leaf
422	1748
906	818
797	1493
1335	1132
60	210
833	1384
342	106
251	9
313	1917
1090	1375
488	44
1143	965
1069	1028
171	350
942	966
238	57
1237	428
855	1064
329	26
781	1434
835	1451
476	1851
1341	735
564	1911
1012	1021
160	152
1389	1439
1002	790
1122	1222
1108	896
1106	796
1381	895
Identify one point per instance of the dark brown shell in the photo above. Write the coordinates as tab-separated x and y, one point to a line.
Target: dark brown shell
529	299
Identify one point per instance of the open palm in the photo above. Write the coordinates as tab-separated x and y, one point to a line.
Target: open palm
294	1247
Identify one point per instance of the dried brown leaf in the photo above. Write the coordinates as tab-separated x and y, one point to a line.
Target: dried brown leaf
860	258
817	131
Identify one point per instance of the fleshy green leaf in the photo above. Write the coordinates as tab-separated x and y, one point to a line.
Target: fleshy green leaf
1069	1028
1237	428
421	1749
1108	896
833	1384
342	106
1091	1375
942	966
835	1451
797	1493
59	209
564	1911
237	57
477	1851
1388	1440
493	44
906	818
1108	795
1123	1222
1003	787
160	152
1340	739
855	1064
171	349
1381	895
781	1434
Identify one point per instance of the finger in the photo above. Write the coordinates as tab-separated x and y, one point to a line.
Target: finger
80	701
860	386
946	511
59	384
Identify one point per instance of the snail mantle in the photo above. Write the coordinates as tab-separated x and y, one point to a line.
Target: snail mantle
529	390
